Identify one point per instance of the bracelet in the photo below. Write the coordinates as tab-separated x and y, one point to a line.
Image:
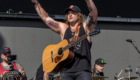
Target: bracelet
36	3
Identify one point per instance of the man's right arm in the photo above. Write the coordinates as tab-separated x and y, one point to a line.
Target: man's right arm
51	23
2	75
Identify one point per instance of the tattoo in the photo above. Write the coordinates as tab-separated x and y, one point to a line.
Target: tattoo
53	24
20	68
90	8
39	10
90	21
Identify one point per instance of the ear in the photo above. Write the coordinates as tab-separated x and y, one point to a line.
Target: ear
2	56
95	66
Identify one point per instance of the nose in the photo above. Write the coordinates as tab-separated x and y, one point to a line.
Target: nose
70	14
102	67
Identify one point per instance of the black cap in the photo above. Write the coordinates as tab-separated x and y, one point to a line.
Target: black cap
100	61
5	50
73	8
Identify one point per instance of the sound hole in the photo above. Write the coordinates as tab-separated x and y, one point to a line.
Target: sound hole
60	51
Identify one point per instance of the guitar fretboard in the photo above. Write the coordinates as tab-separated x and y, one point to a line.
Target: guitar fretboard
75	42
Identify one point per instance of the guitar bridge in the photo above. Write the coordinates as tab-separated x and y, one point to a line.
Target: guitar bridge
52	55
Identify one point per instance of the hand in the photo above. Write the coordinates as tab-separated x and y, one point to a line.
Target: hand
2	74
23	74
34	1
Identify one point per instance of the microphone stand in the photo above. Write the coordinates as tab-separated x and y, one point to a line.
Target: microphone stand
135	46
137	73
128	70
129	74
11	69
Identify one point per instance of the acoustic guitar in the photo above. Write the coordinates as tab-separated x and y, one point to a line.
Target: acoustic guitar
55	57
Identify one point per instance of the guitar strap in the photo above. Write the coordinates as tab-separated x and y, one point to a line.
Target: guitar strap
75	37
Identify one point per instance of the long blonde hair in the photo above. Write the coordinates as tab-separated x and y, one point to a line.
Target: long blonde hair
81	20
94	69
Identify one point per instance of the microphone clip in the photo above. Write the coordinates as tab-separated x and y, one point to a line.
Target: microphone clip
115	77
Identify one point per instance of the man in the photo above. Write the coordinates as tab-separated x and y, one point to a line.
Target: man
80	67
98	67
5	67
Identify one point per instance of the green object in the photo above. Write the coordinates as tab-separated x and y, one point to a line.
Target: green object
102	61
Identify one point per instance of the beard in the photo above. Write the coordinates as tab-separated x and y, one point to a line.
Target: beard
5	60
73	21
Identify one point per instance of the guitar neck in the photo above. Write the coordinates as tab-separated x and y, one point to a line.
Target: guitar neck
75	42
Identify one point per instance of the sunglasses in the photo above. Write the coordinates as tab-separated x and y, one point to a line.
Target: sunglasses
8	53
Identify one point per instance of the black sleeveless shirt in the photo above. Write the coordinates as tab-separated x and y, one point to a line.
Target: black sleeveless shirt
82	58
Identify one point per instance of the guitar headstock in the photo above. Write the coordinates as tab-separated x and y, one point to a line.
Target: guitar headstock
96	31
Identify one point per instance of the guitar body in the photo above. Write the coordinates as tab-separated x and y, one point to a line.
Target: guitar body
55	57
52	61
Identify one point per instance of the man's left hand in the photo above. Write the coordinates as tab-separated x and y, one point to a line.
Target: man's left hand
23	74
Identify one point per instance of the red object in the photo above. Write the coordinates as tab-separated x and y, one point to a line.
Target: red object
2	70
6	48
71	7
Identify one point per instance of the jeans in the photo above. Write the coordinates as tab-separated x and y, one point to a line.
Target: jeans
81	75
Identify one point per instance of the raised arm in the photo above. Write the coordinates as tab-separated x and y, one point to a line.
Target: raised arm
91	20
51	23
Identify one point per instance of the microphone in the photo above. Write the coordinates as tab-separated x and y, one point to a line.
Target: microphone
129	40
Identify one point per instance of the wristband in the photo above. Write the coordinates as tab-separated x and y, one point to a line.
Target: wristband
36	3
